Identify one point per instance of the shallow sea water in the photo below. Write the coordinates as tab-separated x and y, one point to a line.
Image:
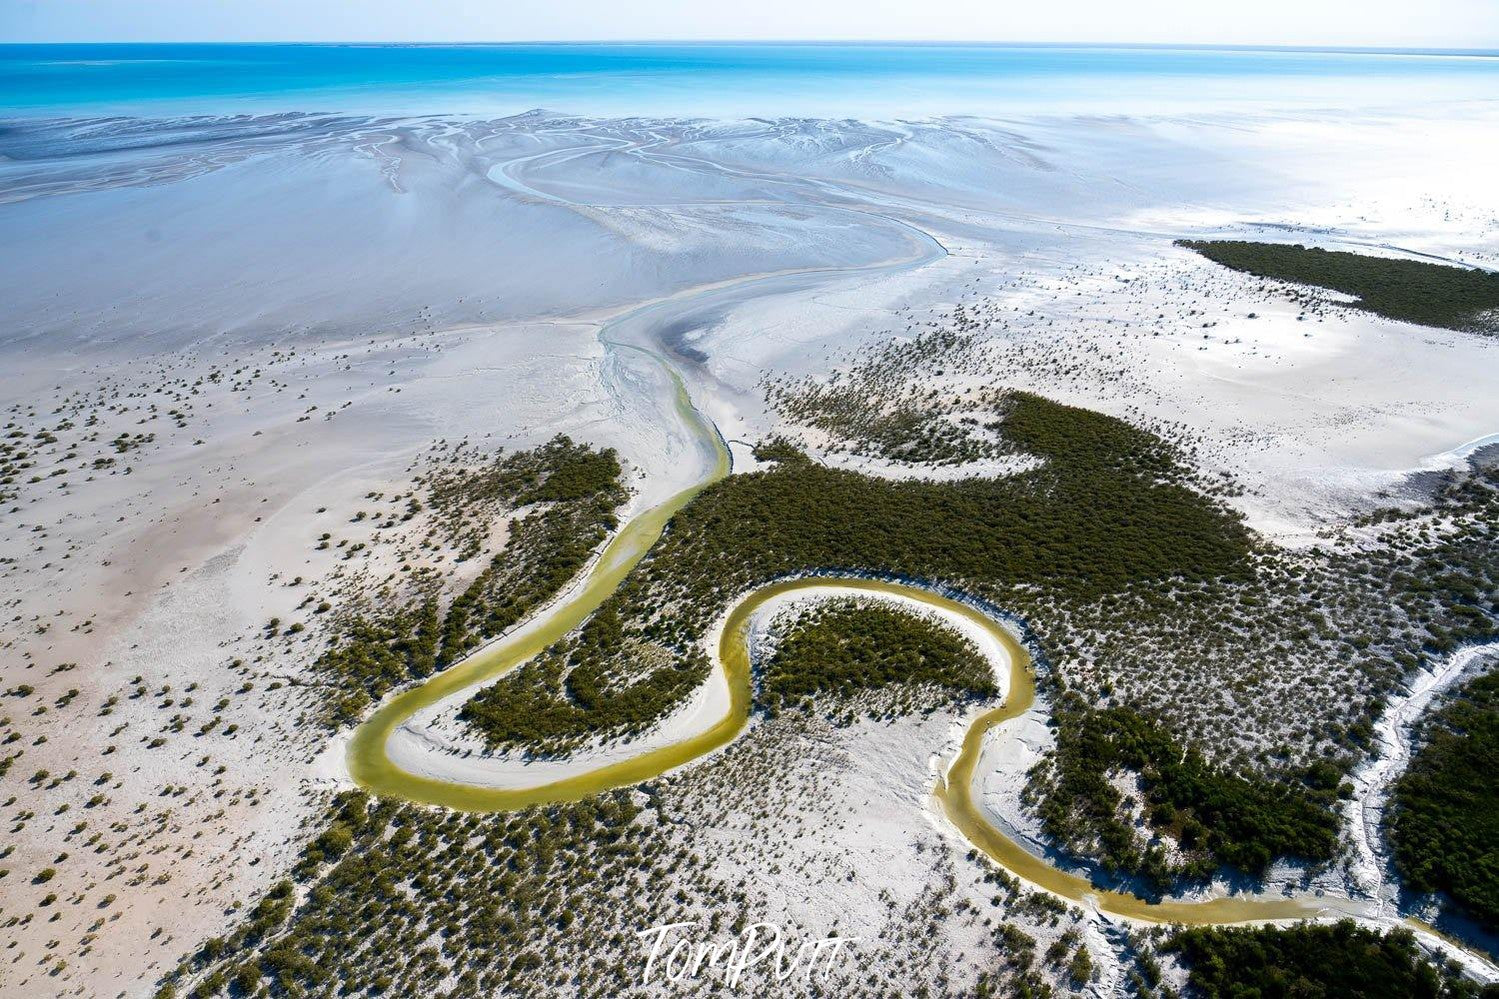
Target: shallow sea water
722	80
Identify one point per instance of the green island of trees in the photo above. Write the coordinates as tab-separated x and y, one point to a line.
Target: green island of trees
1311	961
1413	291
1445	821
845	647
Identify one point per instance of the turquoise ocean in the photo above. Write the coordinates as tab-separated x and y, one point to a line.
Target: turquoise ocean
724	79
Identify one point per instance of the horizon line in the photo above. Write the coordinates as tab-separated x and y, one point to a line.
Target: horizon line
933	42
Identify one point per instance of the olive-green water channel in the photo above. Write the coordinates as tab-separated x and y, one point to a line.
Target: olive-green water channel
373	769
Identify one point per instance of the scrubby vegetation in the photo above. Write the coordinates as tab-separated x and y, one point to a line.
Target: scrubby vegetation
574	490
578	490
558	472
1311	961
1457	298
1212	660
1298	658
846	647
1109	507
1441	560
1141	590
395	899
886	407
1203	816
1445	824
372	655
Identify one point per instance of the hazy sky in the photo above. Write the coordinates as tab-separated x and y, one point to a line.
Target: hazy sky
1413	23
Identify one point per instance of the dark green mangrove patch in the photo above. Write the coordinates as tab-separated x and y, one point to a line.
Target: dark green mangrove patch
845	648
1445	822
1310	961
1413	291
1201	816
1107	507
